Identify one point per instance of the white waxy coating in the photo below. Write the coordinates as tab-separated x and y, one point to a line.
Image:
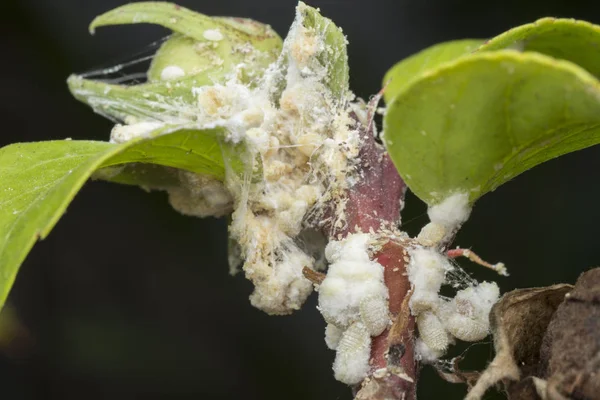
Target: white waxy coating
171	72
213	35
351	363
432	332
333	335
452	212
431	234
466	316
425	354
374	314
426	272
352	277
124	133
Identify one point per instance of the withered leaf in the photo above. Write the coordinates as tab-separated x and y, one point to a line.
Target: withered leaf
519	322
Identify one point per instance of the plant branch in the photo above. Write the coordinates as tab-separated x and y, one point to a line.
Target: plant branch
374	205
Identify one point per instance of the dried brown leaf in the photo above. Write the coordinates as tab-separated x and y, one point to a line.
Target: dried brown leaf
519	322
570	352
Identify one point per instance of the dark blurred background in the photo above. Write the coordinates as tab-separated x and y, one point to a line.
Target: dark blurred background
129	300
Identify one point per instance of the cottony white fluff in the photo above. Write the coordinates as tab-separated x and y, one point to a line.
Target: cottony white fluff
425	354
466	316
353	300
333	334
351	363
426	272
351	279
452	212
446	218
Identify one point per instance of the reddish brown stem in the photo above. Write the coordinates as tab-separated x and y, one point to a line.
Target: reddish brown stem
374	205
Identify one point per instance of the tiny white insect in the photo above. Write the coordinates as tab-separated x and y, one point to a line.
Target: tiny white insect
351	363
466	316
433	332
374	314
431	235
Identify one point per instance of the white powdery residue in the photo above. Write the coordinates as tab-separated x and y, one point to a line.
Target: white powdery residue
466	316
426	272
352	278
351	363
124	133
171	72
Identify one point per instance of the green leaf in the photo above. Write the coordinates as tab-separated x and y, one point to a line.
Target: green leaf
191	24
40	179
333	55
147	176
204	50
313	46
151	101
566	39
202	44
475	123
401	74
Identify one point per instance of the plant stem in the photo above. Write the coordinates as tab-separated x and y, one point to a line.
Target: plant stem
374	205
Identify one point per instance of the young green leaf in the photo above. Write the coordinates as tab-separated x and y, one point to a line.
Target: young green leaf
567	39
210	46
202	51
475	123
333	54
40	179
158	101
401	74
219	30
315	47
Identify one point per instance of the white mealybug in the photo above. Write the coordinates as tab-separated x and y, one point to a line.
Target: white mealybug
352	277
374	314
432	332
351	363
431	234
466	316
353	299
